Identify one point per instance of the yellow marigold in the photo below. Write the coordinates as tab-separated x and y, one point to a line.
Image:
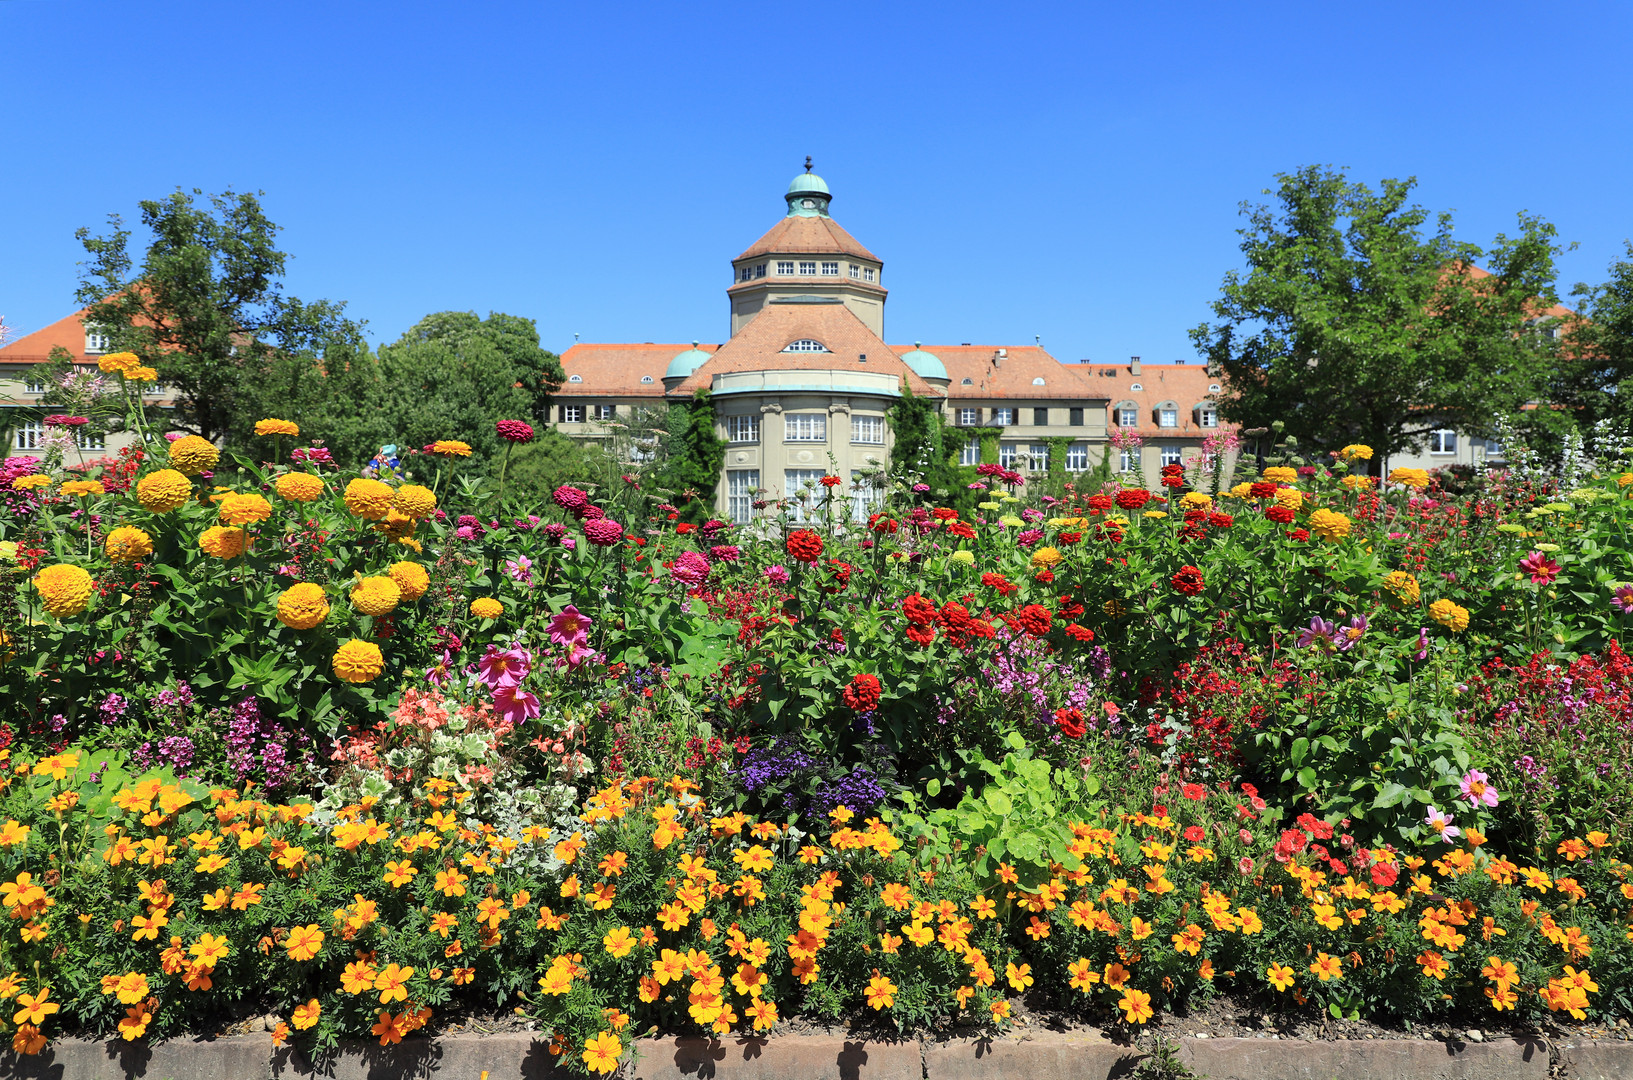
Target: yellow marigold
77	488
451	448
1195	499
303	606
1046	556
369	499
1356	452
163	491
142	375
1412	478
411	579
1292	498
1449	615
299	486
1356	481
222	542
193	454
1401	586
277	427
120	362
486	607
31	481
1330	525
244	509
376	596
358	661
1625	479
127	544
1281	474
66	589
416	501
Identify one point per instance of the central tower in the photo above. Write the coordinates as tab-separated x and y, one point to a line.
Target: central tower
806	258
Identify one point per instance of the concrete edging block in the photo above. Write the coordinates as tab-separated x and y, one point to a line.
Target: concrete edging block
1364	1059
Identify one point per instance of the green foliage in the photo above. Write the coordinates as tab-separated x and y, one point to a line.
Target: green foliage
1352	325
1595	366
694	456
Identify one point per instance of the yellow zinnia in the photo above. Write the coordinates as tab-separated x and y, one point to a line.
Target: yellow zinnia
1401	586
451	448
1046	556
78	488
1412	478
192	454
411	579
163	491
1356	481
66	589
376	596
243	509
31	481
299	486
1292	498
1195	499
486	607
303	606
127	543
1330	525
1449	615
358	661
120	362
277	427
1281	474
222	542
416	501
1356	452
142	375
369	499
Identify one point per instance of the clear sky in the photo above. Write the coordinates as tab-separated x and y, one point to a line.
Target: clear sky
1071	171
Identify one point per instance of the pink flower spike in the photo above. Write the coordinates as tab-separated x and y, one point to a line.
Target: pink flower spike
570	628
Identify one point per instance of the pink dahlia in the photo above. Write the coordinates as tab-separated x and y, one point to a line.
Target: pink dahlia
505	668
1542	569
571	627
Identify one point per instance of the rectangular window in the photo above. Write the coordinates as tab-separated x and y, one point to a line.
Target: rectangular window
970	454
603	412
740	488
1443	441
806	269
1170	455
574	414
1077	457
867	273
91	440
1207	416
1040	417
866	499
830	269
1168	418
745	273
856	272
1125	461
1039	455
759	271
29	435
785	269
805	427
1003	417
1494	448
803	490
1074	417
33	385
868	429
969	417
1128	417
743	429
95	341
1006	455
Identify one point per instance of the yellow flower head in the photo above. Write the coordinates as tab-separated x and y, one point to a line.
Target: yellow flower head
411	579
1412	478
142	375
1195	499
303	606
243	509
1402	587
376	596
415	501
1357	482
117	362
222	542
79	488
1281	474
1449	615
31	481
193	454
299	486
1356	452
962	557
358	661
1330	525
1011	521
127	543
163	491
277	427
486	607
1046	556
369	499
451	448
1241	491
65	589
1292	498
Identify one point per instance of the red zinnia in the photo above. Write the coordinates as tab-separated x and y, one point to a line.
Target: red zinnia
921	634
1099	503
1188	581
1281	515
1263	489
1033	619
1070	722
863	693
999	582
1081	633
944	513
1221	521
881	524
919	611
830	481
804	545
1133	498
962	529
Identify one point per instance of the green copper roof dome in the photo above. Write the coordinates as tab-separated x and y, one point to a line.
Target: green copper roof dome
927	365
808	195
805	182
685	363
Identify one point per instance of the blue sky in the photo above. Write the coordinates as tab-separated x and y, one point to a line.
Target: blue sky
1070	171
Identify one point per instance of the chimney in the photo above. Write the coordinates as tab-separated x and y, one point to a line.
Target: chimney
998	357
1134	365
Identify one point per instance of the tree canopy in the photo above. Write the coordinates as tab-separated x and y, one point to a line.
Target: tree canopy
1360	318
1595	375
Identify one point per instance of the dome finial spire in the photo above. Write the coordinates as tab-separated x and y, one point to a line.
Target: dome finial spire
807	162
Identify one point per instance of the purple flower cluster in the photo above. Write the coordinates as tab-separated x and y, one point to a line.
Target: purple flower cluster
260	748
176	751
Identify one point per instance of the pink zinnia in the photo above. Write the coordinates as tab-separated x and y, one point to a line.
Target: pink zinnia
570	498
570	627
63	420
690	567
1542	569
603	532
1622	599
515	431
506	668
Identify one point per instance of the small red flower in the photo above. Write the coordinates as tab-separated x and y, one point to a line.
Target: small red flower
1188	581
830	481
1080	633
863	694
804	545
1070	723
1194	792
1033	619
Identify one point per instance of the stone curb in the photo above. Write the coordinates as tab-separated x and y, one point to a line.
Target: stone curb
1039	1055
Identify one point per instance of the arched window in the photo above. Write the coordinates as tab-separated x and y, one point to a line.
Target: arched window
646	378
1038	381
967	382
805	345
1213	388
575	378
1135	388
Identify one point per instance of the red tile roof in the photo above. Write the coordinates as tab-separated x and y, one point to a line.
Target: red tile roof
616	370
1013	376
1186	385
1558	311
758	346
35	348
807	236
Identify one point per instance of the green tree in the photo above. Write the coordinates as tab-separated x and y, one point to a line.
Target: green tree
693	455
1361	319
206	308
1594	378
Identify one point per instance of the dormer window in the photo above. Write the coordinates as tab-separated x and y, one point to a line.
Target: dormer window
1207	416
1213	388
967	382
805	345
95	340
1168	415
1038	381
575	378
785	268
1135	388
1128	415
646	378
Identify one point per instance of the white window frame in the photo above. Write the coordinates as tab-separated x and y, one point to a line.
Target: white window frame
1003	417
1443	442
856	272
794	482
1128	416
1039	455
741	484
805	427
970	453
743	430
830	269
785	268
1125	461
95	341
33	385
867	273
1007	452
1168	418
868	430
29	435
865	498
969	417
574	414
1207	416
1172	455
810	345
1077	457
86	439
807	269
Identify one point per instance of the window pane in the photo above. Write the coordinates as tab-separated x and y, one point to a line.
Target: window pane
1170	455
971	453
1077	457
805	427
1006	455
1075	418
868	429
743	429
1039	453
803	490
1170	418
740	487
1040	417
865	498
